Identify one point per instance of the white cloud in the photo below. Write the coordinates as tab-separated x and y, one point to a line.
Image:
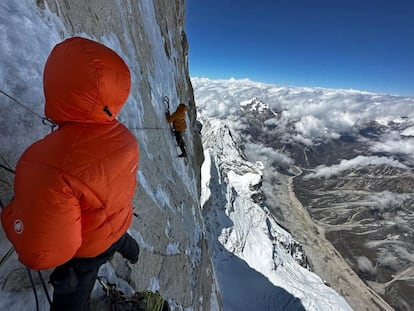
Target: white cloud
267	155
316	113
359	161
394	143
409	131
364	264
313	127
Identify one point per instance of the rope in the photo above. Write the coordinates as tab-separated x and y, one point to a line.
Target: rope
6	256
6	168
45	120
154	300
117	297
4	160
34	288
44	287
145	300
147	128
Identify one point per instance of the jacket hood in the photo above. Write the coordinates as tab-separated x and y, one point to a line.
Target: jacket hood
84	81
181	108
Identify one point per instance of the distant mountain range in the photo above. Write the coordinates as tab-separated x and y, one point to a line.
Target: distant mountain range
350	156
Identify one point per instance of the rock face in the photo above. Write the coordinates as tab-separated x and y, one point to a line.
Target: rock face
150	36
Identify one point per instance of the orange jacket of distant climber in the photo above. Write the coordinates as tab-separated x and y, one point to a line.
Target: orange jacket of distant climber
178	118
74	188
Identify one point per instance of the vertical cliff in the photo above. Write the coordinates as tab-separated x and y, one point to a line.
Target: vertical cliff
149	35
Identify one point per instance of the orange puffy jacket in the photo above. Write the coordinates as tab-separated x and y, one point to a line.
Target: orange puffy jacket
74	188
178	118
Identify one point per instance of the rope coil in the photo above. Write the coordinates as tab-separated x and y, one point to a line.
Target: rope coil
146	300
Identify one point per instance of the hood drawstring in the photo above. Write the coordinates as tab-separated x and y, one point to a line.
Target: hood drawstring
107	111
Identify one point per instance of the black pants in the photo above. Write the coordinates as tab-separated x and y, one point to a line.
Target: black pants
74	280
180	142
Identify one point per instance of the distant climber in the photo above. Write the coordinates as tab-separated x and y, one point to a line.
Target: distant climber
178	121
74	188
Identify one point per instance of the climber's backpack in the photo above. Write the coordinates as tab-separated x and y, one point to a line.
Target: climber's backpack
139	301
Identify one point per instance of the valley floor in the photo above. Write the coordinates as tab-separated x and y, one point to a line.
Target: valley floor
324	258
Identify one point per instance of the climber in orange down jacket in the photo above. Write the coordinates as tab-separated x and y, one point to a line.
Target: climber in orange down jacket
74	188
179	126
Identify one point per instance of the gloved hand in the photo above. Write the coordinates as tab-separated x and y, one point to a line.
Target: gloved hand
128	248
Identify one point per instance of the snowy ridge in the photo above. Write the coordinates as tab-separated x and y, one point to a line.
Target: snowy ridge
328	156
252	254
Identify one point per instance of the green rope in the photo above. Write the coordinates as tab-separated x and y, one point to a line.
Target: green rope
154	300
145	300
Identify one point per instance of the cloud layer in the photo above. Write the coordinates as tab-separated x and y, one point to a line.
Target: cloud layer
313	115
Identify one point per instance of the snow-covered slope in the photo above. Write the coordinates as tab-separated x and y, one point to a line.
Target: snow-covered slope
259	266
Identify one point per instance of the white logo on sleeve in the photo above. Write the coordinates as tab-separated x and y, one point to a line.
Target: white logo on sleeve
18	226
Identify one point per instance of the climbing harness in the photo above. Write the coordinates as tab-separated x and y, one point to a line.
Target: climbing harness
139	301
45	120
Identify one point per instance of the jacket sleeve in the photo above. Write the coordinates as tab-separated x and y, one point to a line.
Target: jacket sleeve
43	222
171	118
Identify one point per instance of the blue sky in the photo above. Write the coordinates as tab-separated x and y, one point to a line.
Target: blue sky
365	44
